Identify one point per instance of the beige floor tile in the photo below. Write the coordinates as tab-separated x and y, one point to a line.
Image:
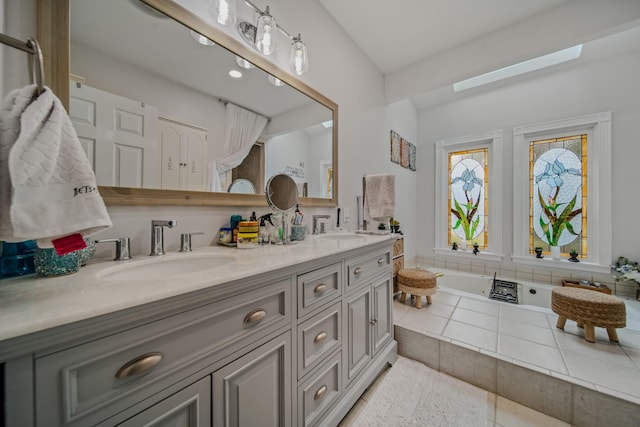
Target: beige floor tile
481	306
531	352
512	414
475	318
527	331
522	315
423	320
603	373
470	334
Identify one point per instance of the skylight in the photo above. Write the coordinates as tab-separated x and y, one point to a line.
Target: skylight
520	68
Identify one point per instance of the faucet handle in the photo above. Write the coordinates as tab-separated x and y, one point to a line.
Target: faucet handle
185	241
123	247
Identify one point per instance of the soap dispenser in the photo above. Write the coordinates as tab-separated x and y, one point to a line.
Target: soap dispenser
263	233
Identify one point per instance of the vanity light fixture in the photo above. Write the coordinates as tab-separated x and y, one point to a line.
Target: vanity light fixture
275	81
202	39
223	11
520	68
299	61
266	37
235	74
243	63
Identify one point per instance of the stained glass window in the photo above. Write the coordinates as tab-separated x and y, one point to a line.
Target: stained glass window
558	194
468	201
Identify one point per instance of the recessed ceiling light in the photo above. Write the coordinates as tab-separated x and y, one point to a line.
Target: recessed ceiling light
520	68
235	74
328	124
243	63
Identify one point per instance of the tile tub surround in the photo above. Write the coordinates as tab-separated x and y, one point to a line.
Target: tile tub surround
519	354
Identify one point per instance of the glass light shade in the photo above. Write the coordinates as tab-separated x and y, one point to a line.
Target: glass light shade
275	81
266	36
243	63
223	11
299	60
201	39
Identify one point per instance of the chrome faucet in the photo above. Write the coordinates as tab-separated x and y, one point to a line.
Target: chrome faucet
123	245
157	235
315	223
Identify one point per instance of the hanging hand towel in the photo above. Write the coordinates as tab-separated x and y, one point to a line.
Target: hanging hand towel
53	189
379	197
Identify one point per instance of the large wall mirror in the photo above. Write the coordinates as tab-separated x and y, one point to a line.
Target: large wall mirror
150	102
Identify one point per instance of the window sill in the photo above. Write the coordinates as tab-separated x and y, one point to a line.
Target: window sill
563	263
468	254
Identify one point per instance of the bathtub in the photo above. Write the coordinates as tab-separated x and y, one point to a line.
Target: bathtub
529	293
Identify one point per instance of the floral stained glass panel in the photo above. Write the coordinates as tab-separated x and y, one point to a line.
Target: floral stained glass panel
558	193
468	201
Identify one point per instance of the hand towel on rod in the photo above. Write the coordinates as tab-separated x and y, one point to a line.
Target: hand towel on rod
51	186
379	197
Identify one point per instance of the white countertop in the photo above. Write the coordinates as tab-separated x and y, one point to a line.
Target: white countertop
30	304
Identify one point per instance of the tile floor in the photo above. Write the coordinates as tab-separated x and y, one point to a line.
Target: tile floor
528	337
501	412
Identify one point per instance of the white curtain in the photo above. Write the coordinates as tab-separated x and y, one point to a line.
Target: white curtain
242	128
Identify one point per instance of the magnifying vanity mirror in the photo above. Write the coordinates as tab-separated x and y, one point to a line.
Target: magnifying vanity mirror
159	82
282	196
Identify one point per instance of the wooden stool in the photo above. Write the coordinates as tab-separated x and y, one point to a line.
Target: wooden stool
589	309
418	283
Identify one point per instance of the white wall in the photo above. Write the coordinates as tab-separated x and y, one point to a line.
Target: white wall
340	71
607	85
174	101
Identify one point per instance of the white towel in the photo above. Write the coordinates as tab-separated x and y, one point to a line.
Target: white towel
47	187
379	197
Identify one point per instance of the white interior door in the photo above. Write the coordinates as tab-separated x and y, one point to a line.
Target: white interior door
183	155
119	136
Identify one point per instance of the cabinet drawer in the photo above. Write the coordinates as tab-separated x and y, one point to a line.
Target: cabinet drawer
398	247
319	392
93	381
318	287
318	337
359	270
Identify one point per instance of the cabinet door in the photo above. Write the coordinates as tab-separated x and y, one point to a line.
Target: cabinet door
255	390
358	309
189	407
382	313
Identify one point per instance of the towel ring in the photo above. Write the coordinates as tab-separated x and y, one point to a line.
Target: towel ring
38	63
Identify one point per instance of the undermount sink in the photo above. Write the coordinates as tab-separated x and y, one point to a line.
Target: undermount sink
339	236
163	267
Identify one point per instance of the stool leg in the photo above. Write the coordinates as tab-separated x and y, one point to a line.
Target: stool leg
428	299
561	321
403	297
589	333
613	334
418	301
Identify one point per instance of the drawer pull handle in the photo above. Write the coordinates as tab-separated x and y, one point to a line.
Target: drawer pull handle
255	316
320	337
139	365
320	393
373	321
357	271
380	261
320	288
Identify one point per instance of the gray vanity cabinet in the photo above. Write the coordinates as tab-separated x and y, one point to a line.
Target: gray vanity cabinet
295	346
187	408
255	390
368	308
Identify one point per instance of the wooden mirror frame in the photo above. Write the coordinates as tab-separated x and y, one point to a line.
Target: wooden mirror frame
53	35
